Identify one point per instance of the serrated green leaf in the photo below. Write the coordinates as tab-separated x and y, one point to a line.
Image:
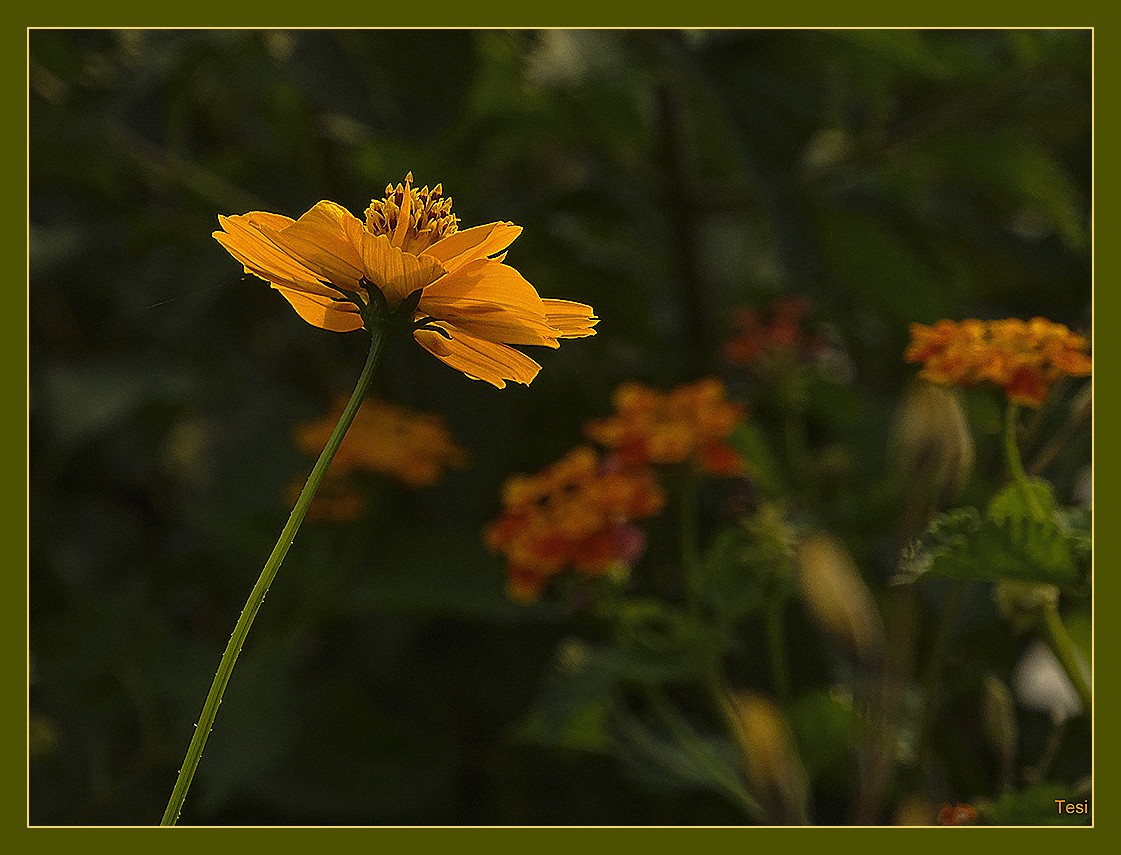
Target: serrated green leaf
1013	503
1019	538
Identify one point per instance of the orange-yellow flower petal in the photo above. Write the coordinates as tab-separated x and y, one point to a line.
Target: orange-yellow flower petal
478	358
323	312
492	301
245	239
396	273
569	319
327	240
469	245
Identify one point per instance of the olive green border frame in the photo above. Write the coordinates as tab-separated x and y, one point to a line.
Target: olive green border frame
507	14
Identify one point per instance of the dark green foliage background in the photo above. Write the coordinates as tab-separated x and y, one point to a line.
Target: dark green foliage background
665	178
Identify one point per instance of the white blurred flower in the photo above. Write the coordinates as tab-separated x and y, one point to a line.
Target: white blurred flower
1041	684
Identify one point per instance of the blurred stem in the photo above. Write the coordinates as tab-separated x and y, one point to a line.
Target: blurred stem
795	437
683	209
1015	464
877	753
776	644
1061	645
257	596
690	547
1039	771
939	648
1048	454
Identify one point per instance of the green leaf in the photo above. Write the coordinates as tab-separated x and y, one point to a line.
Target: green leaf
584	728
750	441
825	728
1012	503
664	760
1009	542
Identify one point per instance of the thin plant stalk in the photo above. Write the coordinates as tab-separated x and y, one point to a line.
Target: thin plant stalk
1061	645
1016	464
257	596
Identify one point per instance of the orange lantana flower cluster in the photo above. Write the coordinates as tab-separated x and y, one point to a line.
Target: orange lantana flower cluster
411	447
1022	357
690	424
576	513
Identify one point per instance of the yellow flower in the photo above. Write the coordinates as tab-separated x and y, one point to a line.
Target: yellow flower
466	306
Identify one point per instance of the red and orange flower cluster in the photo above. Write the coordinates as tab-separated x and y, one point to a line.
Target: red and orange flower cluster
579	512
779	330
1022	357
576	513
411	447
690	424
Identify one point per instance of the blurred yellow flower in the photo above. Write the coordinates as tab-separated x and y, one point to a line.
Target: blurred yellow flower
471	308
411	447
688	424
1022	357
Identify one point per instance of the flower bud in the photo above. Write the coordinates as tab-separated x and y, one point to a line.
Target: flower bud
836	596
930	442
774	770
1022	603
998	718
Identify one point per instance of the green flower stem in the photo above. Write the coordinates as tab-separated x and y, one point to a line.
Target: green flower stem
1061	645
257	596
1016	464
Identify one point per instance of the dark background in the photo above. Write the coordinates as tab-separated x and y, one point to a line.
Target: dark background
665	177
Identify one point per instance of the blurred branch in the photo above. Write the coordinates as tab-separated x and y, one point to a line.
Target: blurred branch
682	197
1079	418
171	168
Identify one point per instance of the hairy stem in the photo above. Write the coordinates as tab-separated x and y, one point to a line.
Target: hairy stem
257	596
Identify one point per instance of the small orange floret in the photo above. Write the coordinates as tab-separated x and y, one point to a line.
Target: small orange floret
575	514
957	815
1022	357
690	424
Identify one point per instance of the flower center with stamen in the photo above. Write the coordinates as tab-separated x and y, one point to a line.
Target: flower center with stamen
429	212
